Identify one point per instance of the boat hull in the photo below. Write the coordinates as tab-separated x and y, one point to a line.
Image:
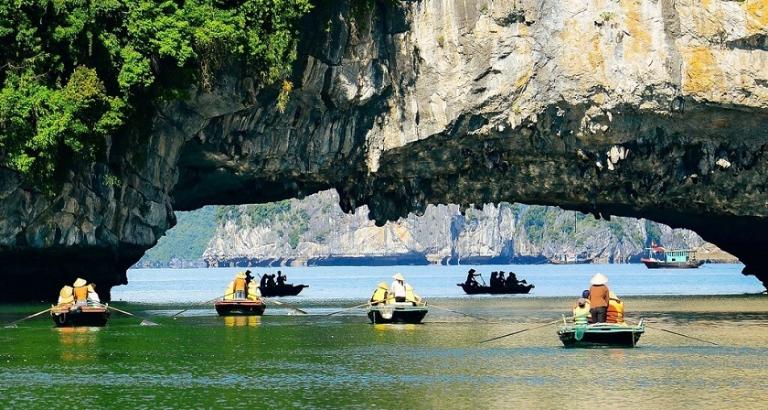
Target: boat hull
397	314
601	335
240	307
82	316
285	290
479	290
652	264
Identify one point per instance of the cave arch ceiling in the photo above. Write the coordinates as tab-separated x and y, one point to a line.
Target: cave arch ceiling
642	109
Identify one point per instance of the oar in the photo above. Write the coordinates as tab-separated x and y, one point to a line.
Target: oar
680	334
13	324
349	308
481	278
286	305
144	322
202	303
520	331
456	311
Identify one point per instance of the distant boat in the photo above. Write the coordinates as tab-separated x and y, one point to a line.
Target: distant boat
80	316
600	334
513	290
397	312
239	307
570	260
282	290
659	258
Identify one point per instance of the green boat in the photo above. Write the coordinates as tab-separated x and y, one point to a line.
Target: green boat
601	335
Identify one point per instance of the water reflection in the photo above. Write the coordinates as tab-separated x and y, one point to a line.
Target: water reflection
242	321
78	344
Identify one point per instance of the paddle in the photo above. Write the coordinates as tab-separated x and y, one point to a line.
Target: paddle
680	334
481	278
457	312
144	322
202	303
519	331
286	305
13	324
349	308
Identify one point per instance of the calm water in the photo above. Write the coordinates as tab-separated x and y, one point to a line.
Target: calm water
284	360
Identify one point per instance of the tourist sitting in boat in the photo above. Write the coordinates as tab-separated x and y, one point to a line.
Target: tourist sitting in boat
93	297
615	312
494	280
240	285
252	291
411	296
581	312
502	282
598	297
66	297
380	294
471	281
80	291
398	288
281	278
263	281
270	280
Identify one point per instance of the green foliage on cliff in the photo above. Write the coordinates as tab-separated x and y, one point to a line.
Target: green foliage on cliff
188	239
72	72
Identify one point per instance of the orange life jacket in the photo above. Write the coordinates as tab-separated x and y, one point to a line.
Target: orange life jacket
615	312
239	284
81	293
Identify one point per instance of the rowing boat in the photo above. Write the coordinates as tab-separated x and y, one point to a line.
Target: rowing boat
512	290
397	312
601	334
282	290
240	307
67	316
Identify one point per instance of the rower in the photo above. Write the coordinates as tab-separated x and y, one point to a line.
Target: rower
65	297
380	294
471	281
80	291
598	297
397	289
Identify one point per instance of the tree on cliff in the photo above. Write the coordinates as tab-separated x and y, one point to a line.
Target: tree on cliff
73	72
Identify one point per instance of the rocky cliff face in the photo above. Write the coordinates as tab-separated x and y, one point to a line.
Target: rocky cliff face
314	231
652	108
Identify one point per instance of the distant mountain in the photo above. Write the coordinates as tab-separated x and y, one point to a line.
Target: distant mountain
314	231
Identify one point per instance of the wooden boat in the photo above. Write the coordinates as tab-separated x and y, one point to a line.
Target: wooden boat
282	290
477	290
80	316
660	258
398	312
601	334
570	261
241	307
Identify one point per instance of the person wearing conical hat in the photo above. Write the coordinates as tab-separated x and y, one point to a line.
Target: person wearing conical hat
397	289
65	296
93	297
240	285
380	294
615	312
80	291
598	298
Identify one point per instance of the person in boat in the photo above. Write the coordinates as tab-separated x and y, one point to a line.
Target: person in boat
581	312
80	292
249	285
598	297
252	290
263	281
471	281
411	296
93	297
66	297
380	294
494	280
397	289
281	278
615	312
271	281
239	285
501	280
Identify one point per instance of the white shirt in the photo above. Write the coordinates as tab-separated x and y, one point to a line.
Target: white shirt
397	288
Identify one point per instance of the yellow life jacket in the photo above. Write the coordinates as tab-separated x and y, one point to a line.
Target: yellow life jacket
81	293
379	295
581	315
615	312
253	292
239	284
410	296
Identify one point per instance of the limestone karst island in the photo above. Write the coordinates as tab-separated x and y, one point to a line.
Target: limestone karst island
387	204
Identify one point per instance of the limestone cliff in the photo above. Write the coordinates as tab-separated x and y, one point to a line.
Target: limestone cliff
652	108
314	231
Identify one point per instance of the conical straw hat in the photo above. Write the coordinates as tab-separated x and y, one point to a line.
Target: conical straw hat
598	279
398	276
79	282
66	291
383	285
